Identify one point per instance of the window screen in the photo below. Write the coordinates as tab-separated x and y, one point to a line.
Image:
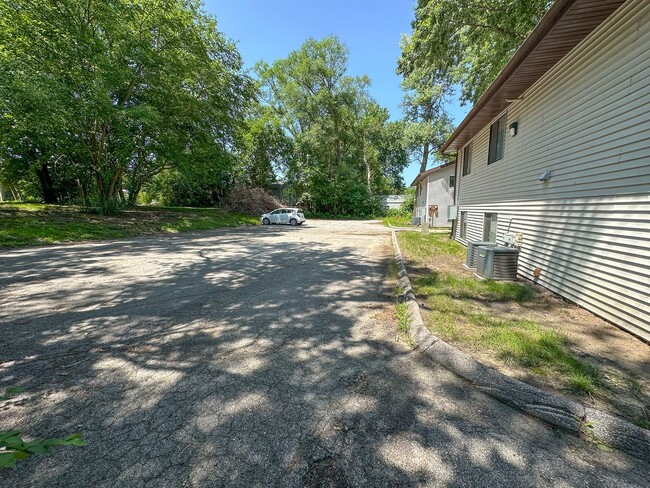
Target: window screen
467	160
497	140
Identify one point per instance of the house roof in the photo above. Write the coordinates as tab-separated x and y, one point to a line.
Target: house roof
426	173
565	24
279	184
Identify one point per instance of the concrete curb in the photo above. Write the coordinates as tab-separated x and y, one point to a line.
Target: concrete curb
417	228
414	228
549	407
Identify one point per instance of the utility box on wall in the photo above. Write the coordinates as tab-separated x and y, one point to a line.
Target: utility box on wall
452	212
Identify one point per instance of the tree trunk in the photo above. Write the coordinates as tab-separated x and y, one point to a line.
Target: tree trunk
133	194
15	193
47	186
365	161
82	193
425	158
115	184
100	184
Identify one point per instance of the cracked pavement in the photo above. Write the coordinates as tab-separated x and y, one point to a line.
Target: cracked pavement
262	356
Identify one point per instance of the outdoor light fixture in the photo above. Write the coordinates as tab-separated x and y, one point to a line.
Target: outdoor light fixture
545	176
513	128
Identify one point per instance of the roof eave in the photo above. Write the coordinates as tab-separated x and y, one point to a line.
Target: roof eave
557	11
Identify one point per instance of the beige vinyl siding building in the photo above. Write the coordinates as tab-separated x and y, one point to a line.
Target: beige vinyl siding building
587	122
435	187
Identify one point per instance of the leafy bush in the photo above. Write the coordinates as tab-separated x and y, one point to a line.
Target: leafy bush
409	202
397	212
178	189
104	206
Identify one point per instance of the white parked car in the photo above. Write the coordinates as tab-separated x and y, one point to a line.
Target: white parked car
291	216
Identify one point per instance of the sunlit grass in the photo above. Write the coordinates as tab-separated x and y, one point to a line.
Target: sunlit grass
436	283
401	221
422	247
28	224
401	312
458	311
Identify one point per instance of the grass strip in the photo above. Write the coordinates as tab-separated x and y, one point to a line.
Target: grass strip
462	309
28	224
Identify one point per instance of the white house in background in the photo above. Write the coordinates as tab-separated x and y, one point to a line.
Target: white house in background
393	202
558	149
434	192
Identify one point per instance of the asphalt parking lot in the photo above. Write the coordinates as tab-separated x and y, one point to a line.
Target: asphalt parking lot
261	356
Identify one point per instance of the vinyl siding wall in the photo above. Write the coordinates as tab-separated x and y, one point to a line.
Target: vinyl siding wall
437	188
588	122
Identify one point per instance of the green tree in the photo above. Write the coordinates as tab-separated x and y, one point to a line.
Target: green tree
340	156
408	205
266	149
467	42
427	125
116	91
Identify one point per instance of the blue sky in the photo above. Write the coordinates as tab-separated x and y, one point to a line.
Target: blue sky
371	30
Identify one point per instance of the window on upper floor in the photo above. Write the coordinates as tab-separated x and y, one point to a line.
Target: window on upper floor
467	159
452	181
497	139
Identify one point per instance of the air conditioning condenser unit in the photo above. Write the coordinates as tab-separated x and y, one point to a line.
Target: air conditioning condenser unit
472	252
497	263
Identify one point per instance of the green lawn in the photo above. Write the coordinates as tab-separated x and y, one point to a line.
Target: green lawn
30	224
401	221
478	313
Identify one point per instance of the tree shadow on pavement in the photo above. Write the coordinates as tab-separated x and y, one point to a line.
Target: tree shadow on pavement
245	360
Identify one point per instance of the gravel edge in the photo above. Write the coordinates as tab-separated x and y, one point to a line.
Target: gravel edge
553	409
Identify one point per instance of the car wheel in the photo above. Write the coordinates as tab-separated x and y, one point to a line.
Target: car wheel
266	221
293	222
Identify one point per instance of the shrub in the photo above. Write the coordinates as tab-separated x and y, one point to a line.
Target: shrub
409	202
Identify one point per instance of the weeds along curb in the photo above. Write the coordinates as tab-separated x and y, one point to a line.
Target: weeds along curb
553	409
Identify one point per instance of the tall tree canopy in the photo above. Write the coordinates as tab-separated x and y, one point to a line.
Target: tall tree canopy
427	125
96	96
467	42
344	150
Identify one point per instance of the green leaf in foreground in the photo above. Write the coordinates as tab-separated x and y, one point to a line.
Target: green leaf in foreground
13	447
7	460
10	392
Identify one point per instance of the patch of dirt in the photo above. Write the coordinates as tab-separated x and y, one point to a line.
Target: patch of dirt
623	359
